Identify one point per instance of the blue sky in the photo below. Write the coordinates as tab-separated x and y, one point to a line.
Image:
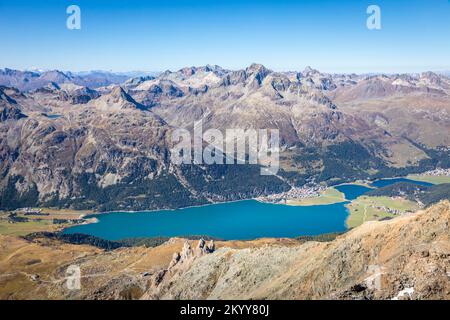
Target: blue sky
283	35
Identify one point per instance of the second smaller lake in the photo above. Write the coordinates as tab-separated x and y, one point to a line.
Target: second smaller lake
352	191
387	182
248	219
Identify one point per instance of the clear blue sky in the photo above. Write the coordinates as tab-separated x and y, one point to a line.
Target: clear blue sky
283	35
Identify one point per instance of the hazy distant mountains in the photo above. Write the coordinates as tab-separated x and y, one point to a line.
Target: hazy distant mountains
31	80
101	140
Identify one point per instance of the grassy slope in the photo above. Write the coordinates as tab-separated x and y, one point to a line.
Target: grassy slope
37	223
24	228
365	209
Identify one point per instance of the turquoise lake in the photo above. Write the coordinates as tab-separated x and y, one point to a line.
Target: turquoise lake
241	220
386	182
248	219
352	191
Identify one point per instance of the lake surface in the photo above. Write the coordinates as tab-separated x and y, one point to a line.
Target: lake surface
54	116
387	182
352	191
247	219
239	220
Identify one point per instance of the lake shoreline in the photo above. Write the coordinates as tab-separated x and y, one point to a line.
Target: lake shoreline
363	183
344	202
238	220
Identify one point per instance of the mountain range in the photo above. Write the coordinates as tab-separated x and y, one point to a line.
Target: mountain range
31	80
102	141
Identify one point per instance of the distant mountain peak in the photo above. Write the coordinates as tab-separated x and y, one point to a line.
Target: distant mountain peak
257	73
432	77
188	71
117	99
9	109
134	82
120	92
308	71
256	68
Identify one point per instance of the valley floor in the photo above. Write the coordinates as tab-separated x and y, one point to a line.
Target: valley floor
367	208
29	220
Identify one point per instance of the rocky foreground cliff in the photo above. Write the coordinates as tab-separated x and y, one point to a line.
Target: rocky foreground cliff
404	258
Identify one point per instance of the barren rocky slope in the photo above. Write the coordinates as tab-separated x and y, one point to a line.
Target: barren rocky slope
407	257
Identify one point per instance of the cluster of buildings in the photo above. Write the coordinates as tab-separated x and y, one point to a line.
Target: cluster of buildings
437	172
391	210
303	192
30	211
388	210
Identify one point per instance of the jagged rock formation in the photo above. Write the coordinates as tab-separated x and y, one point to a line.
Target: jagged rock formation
180	263
187	254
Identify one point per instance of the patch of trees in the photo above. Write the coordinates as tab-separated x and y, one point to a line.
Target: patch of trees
398	189
11	199
156	241
232	182
350	161
326	237
13	217
435	194
428	195
164	191
76	238
79	238
343	162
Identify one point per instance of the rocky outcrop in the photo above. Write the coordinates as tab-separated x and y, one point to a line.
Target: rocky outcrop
187	254
117	100
9	109
180	263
